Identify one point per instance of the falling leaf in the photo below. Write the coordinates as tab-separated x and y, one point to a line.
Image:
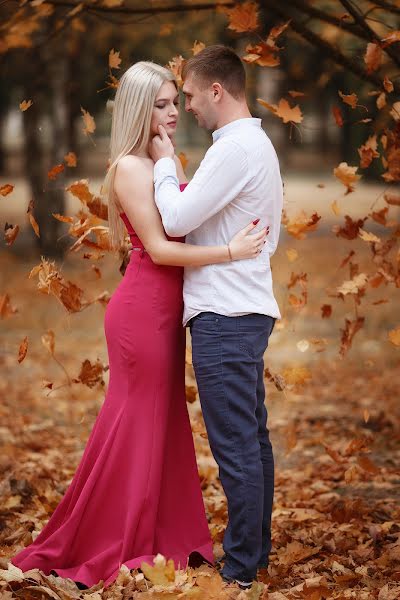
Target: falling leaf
70	159
243	17
5	307
368	237
162	573
56	170
348	333
347	175
262	54
335	208
326	311
80	189
91	374
48	341
350	99
32	219
351	228
301	225
176	65
295	94
381	101
368	151
395	112
6	189
353	286
283	110
25	104
337	113
63	218
297	376
23	349
197	47
114	60
292	254
88	121
394	336
10	233
388	84
166	29
392	199
393	37
303	345
373	57
183	159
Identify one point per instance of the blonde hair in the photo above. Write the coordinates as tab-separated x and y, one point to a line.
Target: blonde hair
130	128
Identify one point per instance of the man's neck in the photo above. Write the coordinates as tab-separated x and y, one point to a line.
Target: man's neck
229	117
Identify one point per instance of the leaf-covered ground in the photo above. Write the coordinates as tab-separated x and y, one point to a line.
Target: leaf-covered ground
335	429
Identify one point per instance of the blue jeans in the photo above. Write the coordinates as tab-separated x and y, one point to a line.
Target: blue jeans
228	362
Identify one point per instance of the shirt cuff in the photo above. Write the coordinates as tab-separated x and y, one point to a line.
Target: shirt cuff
165	167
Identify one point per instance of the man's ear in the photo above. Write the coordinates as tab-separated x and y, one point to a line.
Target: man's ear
217	91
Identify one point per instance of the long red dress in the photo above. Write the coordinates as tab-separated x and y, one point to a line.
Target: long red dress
136	492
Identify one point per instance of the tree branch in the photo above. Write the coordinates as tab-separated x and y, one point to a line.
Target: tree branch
150	10
387	6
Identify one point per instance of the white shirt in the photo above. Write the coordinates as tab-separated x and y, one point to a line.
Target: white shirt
237	182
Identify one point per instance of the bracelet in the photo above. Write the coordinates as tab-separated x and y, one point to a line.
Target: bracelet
230	253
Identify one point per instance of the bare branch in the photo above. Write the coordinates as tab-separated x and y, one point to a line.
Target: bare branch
150	10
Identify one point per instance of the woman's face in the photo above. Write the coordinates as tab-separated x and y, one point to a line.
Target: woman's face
166	109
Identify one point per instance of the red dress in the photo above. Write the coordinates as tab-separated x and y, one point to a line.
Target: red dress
136	492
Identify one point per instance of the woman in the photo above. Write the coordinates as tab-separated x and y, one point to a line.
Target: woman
136	491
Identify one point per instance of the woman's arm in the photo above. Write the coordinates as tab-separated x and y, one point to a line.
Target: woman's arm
135	192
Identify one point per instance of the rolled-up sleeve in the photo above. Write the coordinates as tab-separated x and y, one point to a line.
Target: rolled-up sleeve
221	176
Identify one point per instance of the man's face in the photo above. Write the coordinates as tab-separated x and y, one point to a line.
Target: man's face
199	101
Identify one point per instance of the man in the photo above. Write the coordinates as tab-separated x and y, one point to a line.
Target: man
230	307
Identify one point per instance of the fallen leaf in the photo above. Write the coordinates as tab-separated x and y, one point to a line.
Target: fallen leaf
162	573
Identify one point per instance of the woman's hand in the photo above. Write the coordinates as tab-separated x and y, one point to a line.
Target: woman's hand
246	245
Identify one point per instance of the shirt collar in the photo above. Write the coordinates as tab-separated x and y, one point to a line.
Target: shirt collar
237	123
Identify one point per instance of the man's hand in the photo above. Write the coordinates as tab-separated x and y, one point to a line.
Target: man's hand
161	146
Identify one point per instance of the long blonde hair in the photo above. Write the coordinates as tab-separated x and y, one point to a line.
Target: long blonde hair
130	128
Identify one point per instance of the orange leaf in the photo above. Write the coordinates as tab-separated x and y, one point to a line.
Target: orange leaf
394	336
347	175
5	307
393	37
183	159
283	110
373	57
337	113
368	152
70	159
32	219
176	65
350	99
262	54
89	123
301	225
63	218
367	465
197	47
114	60
348	333
25	104
392	199
56	170
48	341
326	311
295	94
10	233
91	374
243	17
23	349
350	230
388	84
6	189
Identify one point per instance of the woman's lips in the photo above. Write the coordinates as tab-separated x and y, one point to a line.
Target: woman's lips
172	124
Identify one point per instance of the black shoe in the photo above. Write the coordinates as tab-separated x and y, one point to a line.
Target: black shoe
244	585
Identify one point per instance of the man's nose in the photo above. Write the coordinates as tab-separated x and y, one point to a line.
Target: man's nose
187	106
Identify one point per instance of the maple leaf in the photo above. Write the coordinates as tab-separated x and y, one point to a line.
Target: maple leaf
166	29
25	104
368	151
32	219
373	57
337	113
6	189
91	374
88	121
162	573
114	60
283	110
70	159
353	286
301	225
326	311
347	175
56	170
262	54
197	47
80	189
394	336
350	99
176	65
243	17
5	306
10	233
295	552
348	333
351	228
23	349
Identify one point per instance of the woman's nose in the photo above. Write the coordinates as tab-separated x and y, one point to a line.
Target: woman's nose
173	110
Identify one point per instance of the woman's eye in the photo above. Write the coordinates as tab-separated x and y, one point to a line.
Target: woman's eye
160	105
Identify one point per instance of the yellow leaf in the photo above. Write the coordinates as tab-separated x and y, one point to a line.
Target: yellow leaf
183	159
114	60
25	104
394	336
88	120
162	573
292	254
198	47
335	208
347	175
353	286
368	237
283	110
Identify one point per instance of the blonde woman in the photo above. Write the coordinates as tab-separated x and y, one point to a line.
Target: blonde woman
136	492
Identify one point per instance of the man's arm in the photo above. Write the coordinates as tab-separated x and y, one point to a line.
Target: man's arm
222	175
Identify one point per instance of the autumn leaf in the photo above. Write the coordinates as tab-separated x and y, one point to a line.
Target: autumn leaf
91	374
80	189
112	3
166	29
32	219
262	54
292	254
10	233
392	199
368	237
176	65
395	111
114	60
6	189
296	376
243	17
162	573
54	171
351	228
368	151
350	99
394	336
25	104
388	84
392	38
347	175
337	114
183	159
63	218
70	159
348	333
283	110
23	349
88	121
5	307
302	224
353	286
197	47
335	208
295	552
373	57
326	311
381	101
48	341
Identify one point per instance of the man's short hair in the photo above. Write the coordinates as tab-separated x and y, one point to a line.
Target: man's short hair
218	64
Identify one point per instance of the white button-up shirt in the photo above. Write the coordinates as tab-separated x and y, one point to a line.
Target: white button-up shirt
238	181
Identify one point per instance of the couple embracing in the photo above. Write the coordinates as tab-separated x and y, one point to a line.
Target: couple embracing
200	253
